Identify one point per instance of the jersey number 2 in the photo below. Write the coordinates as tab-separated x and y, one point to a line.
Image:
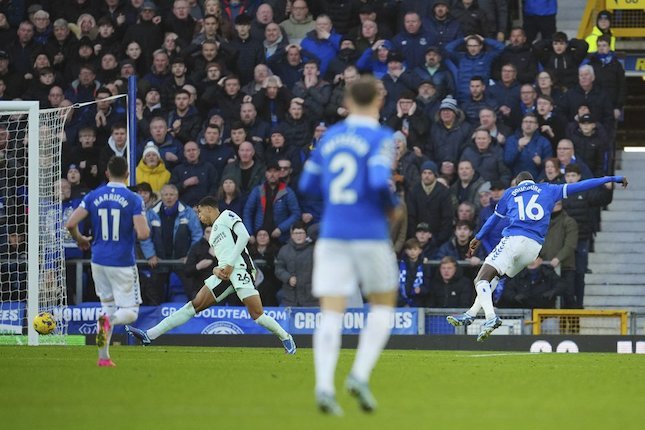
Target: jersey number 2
533	210
116	218
339	191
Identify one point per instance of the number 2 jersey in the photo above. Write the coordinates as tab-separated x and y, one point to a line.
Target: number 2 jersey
111	208
528	208
351	168
222	240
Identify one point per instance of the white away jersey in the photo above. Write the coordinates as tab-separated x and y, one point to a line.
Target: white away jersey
222	240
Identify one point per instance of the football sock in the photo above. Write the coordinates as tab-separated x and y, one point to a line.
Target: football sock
125	316
476	307
484	294
272	325
109	308
178	318
326	343
372	340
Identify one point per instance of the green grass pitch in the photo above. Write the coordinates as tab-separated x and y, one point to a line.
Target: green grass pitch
251	388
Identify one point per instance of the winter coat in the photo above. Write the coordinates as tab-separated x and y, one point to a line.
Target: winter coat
454	250
234	172
413	46
418	132
522	58
157	176
488	164
207	185
561	240
456	292
580	207
408	81
442	32
368	62
199	251
435	208
296	31
296	260
610	76
564	67
593	150
187	231
191	124
598	101
286	210
442	78
540	7
470	193
449	143
399	230
248	54
532	288
325	49
412	275
469	66
316	97
472	20
518	160
592	40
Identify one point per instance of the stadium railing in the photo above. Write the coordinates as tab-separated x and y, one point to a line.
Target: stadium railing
580	321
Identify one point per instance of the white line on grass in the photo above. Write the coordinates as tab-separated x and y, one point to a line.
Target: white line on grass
498	355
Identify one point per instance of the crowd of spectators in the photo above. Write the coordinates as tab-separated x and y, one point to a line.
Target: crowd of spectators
233	95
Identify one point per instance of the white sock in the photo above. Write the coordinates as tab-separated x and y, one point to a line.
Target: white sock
476	307
485	296
326	343
372	340
272	325
125	316
175	320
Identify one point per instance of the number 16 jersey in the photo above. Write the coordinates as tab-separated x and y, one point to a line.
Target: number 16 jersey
528	207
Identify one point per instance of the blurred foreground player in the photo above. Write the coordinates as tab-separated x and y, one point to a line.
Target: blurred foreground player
351	169
118	220
235	273
528	206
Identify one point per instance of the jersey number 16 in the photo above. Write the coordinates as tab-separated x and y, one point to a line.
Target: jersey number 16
533	210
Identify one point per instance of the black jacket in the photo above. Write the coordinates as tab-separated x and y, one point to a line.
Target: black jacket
435	208
456	292
579	207
535	288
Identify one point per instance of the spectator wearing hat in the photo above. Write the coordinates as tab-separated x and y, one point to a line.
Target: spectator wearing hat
279	149
194	178
518	53
430	202
428	244
487	159
610	74
590	144
436	71
476	61
539	17
497	188
83	56
428	99
602	28
245	170
561	57
399	78
151	168
323	40
272	206
449	133
442	28
347	56
299	23
146	31
527	149
78	188
412	122
375	59
313	90
413	40
472	19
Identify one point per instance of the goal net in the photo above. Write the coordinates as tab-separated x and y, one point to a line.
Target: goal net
32	275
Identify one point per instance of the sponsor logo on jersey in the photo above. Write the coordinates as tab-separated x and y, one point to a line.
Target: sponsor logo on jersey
222	327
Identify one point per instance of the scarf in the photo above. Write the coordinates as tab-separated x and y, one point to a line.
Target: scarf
605	58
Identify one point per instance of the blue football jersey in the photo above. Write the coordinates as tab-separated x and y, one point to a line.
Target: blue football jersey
351	168
528	208
111	209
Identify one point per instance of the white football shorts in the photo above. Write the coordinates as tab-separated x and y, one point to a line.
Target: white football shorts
120	283
512	254
241	282
341	266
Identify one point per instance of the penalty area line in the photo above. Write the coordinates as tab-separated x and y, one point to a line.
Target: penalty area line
504	354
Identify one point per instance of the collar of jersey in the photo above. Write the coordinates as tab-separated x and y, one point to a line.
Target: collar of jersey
526	180
363	120
116	184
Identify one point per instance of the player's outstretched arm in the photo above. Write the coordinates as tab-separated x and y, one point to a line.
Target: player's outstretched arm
588	184
490	223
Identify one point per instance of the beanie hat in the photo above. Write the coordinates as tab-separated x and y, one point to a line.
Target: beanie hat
151	147
449	103
429	165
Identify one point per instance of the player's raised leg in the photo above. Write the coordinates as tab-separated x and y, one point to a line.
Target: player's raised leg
485	297
253	303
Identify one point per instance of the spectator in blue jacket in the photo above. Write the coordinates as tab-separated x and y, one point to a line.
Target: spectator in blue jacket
374	59
474	62
413	41
323	41
441	27
272	206
436	71
194	178
174	228
527	149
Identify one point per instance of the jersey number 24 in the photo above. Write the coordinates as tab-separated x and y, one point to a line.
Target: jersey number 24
532	210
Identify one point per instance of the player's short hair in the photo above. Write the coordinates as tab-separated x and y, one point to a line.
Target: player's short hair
118	167
364	91
524	176
573	168
208	201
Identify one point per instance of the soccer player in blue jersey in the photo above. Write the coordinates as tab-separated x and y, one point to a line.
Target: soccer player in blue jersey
351	170
528	207
118	220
